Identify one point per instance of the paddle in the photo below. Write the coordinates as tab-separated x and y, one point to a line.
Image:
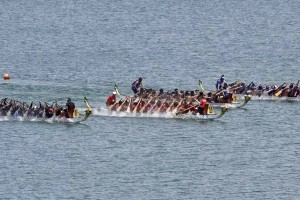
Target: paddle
179	104
169	108
120	107
149	111
177	113
128	107
161	106
137	105
142	110
111	106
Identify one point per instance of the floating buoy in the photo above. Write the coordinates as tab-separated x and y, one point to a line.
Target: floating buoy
6	76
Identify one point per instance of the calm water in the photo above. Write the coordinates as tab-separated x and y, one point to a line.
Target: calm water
59	49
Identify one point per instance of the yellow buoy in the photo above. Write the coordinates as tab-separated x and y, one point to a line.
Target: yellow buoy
6	76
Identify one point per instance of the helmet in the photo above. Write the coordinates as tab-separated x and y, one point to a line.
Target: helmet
114	93
140	79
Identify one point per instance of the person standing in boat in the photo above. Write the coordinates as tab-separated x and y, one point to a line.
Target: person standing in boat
70	107
111	99
220	82
136	85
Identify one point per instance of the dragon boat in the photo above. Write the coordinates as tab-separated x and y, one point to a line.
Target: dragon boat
166	108
284	92
233	101
20	111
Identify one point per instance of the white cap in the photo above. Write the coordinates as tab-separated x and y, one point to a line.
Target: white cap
114	92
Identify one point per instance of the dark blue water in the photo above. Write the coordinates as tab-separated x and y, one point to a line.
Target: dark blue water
59	49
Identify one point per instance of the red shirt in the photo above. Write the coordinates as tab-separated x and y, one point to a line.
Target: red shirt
111	100
203	102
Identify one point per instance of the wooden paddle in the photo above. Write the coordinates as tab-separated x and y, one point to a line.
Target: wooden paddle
128	107
278	93
144	107
111	106
120	107
161	106
169	108
174	111
137	105
177	113
149	111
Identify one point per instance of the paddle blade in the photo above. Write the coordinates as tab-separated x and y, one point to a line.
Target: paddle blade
277	94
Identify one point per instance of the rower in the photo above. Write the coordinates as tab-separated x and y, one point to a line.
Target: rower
223	94
202	106
111	99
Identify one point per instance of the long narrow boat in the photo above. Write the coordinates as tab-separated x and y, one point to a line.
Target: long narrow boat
208	116
159	110
238	101
38	114
265	97
284	92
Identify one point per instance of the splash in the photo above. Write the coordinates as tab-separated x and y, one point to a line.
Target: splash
274	98
169	115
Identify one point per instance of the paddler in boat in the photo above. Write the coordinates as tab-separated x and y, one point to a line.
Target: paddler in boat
162	94
136	85
258	90
184	107
202	108
223	95
111	99
70	107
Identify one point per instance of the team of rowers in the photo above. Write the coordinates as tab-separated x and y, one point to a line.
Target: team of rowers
14	108
283	90
179	102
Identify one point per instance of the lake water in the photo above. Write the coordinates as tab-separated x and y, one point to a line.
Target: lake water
59	49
